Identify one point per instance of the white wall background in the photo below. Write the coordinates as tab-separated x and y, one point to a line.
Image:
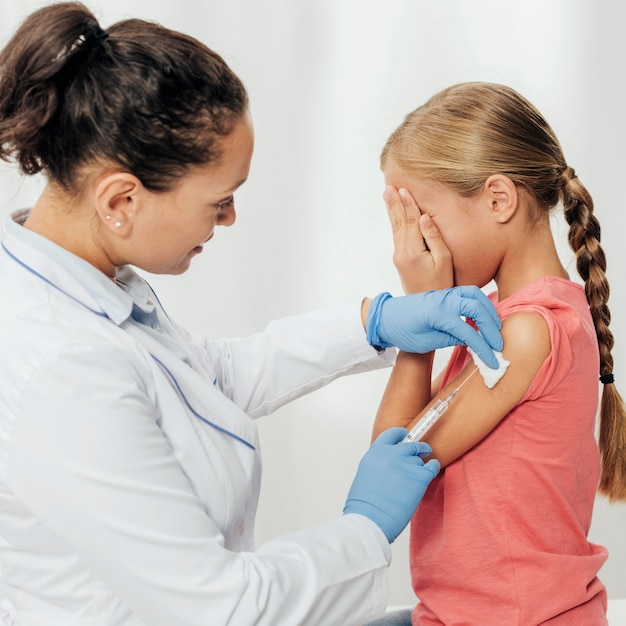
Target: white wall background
328	82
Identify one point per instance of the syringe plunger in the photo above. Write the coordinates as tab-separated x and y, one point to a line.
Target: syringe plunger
428	419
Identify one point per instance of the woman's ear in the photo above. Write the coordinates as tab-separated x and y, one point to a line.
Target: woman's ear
502	195
117	199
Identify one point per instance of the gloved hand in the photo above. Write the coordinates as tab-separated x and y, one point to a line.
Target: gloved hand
390	481
422	322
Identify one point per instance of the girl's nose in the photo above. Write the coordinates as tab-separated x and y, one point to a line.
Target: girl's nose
227	217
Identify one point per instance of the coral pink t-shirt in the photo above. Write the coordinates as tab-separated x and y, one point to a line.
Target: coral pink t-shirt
501	536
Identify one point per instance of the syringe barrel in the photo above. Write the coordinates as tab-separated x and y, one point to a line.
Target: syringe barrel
428	419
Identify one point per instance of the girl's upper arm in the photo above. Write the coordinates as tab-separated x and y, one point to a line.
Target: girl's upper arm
477	410
408	389
435	384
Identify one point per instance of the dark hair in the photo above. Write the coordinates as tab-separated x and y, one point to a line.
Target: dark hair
140	96
469	131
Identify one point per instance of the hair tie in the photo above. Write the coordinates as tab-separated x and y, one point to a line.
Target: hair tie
79	53
607	379
85	44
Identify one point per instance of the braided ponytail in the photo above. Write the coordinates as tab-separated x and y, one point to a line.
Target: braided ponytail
584	239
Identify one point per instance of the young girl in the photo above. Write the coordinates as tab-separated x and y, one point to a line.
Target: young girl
479	164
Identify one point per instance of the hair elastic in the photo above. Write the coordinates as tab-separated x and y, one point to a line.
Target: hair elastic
86	42
607	379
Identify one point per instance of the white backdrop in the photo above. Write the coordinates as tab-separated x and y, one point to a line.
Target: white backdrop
328	81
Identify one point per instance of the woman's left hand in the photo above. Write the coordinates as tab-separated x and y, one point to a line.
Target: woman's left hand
422	322
420	255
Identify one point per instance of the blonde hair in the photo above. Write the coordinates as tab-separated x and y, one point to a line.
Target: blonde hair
470	131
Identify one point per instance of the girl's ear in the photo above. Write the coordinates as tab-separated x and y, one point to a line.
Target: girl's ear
502	195
118	198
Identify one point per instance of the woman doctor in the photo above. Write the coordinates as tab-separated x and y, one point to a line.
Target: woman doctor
129	463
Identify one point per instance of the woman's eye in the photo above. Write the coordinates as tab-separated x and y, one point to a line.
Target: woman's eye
226	204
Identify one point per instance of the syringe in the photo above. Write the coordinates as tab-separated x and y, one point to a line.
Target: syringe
433	414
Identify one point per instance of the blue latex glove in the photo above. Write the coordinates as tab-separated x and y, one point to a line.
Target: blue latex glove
391	481
422	322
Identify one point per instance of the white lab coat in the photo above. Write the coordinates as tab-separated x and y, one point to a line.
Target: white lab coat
120	506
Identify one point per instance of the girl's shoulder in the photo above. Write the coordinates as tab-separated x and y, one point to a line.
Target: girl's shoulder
548	292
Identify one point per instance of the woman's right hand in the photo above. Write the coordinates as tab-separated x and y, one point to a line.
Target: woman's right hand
421	257
391	481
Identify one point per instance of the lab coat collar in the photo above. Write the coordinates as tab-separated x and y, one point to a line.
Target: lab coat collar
65	271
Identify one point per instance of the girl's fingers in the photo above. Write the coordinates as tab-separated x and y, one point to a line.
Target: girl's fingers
403	217
395	210
422	260
435	243
412	213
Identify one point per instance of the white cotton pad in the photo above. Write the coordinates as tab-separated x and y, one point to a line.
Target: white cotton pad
490	376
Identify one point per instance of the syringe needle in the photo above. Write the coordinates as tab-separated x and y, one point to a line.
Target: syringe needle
473	372
453	393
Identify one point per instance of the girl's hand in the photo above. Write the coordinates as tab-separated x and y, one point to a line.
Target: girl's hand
420	255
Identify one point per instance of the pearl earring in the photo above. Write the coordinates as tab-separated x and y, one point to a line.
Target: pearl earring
118	224
108	217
